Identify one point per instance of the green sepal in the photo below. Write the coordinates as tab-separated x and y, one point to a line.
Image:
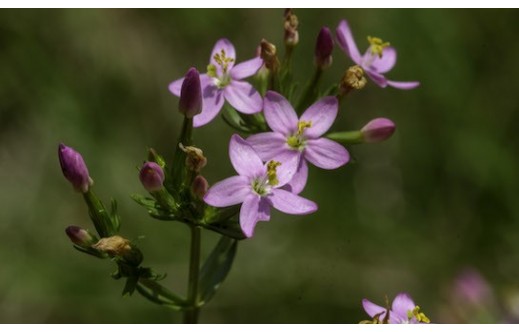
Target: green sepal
221	221
99	215
154	209
216	268
130	285
158	294
233	120
114	217
347	137
91	251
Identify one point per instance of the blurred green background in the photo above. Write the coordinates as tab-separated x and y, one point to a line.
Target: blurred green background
408	215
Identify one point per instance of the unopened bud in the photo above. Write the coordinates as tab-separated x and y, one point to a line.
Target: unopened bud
151	176
353	79
195	159
291	24
80	236
190	103
378	130
74	168
324	48
118	246
200	186
269	55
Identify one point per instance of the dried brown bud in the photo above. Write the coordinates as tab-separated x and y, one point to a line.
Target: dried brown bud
353	79
269	55
195	160
291	24
114	245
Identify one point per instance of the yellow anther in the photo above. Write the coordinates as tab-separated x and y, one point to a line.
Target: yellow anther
302	125
377	45
420	316
211	70
271	172
223	60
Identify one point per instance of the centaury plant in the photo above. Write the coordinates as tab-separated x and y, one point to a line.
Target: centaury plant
279	131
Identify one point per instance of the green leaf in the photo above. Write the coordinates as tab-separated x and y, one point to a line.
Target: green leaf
116	220
216	268
156	293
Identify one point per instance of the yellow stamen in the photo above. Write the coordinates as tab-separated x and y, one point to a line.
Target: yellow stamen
377	45
271	172
420	316
302	125
211	70
223	60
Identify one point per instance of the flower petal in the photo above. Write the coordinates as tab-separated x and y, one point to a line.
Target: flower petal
325	153
289	160
372	309
264	209
225	45
346	41
212	102
280	115
403	85
379	79
382	64
243	158
243	97
175	86
402	304
290	203
268	145
321	114
298	182
246	68
249	214
230	191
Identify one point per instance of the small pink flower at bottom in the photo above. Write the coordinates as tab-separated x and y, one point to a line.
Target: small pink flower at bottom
256	187
403	311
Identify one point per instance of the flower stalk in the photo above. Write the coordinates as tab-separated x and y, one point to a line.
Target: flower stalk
191	313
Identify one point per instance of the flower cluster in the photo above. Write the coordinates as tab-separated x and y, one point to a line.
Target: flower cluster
402	311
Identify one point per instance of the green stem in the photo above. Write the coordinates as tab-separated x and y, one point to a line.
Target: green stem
178	168
191	314
98	214
347	137
311	92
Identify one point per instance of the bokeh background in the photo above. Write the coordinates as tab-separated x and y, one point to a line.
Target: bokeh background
409	214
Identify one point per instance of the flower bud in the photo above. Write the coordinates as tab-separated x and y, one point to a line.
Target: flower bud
74	168
151	176
324	48
353	79
190	103
291	24
80	236
378	130
195	159
200	186
269	55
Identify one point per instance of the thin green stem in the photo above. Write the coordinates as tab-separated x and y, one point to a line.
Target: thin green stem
311	92
191	314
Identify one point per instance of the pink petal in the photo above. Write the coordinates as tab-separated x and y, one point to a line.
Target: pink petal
403	85
243	97
382	64
402	304
372	309
246	68
325	153
280	115
230	52
243	158
249	214
264	209
289	160
346	41
175	86
290	203
212	102
379	79
322	114
298	182
230	191
268	145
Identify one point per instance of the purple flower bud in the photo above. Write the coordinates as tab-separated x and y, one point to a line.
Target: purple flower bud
151	176
80	236
74	168
190	103
200	186
324	48
378	130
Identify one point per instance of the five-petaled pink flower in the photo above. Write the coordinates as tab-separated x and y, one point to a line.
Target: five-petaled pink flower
403	311
224	81
257	187
299	139
378	59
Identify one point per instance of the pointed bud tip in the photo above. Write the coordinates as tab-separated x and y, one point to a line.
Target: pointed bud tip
151	176
324	48
378	130
190	103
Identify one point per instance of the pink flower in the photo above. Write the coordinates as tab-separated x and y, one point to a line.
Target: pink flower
256	187
403	311
378	59
299	138
224	81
